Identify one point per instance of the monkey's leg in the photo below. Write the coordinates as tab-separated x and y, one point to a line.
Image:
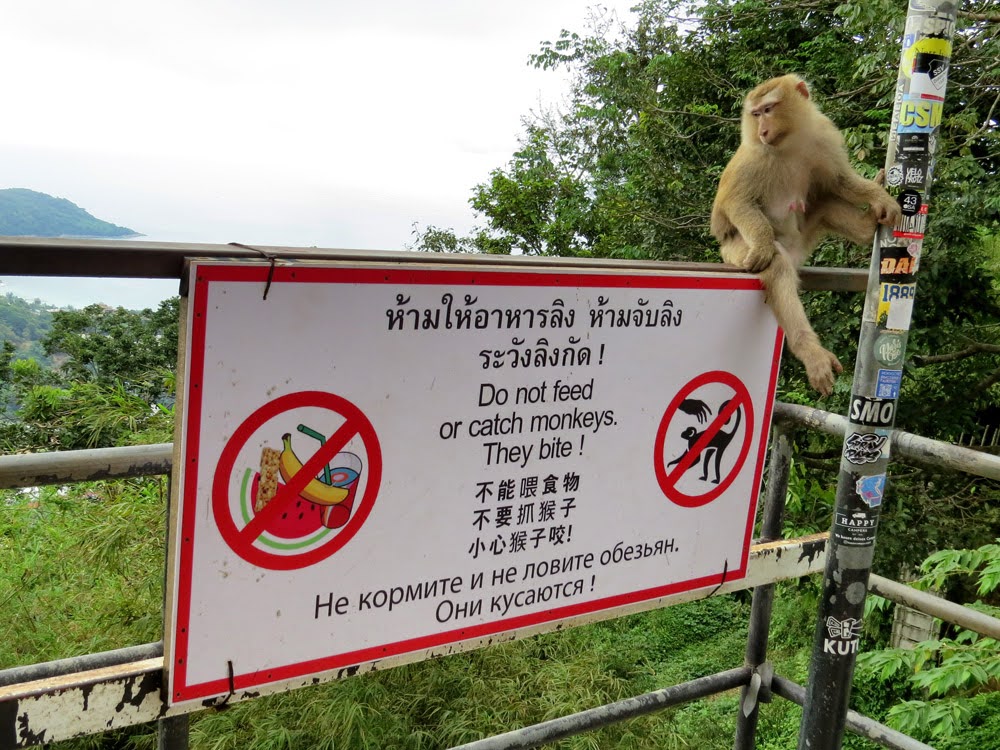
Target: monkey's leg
704	464
781	284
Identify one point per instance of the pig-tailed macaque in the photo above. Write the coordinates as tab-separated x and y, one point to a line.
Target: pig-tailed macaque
789	184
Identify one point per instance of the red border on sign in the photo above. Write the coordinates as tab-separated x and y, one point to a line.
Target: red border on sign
181	690
241	540
668	479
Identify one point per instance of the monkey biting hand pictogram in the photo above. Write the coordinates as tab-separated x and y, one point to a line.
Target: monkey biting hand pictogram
712	449
708	426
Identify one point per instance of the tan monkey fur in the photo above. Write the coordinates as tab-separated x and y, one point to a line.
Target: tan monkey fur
787	186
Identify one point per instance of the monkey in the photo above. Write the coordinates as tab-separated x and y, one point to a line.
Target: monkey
717	443
787	186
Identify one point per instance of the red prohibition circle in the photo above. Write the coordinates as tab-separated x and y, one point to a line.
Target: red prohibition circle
668	479
241	540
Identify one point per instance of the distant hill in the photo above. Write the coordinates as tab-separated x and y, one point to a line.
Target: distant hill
27	213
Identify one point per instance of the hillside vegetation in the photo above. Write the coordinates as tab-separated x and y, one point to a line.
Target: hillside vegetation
28	213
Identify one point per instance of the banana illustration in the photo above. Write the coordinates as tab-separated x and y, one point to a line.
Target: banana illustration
315	492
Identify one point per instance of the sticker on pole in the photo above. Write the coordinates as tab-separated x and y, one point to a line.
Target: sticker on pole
286	497
704	438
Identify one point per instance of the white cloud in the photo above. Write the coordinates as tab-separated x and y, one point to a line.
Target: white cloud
321	122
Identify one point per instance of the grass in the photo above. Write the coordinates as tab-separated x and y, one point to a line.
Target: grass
81	570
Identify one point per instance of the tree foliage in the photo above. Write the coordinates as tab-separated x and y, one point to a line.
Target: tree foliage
947	673
628	166
105	345
111	378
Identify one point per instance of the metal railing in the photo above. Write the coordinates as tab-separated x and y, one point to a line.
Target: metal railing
83	695
86	694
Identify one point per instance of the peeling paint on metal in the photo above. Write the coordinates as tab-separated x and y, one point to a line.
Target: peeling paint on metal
147	683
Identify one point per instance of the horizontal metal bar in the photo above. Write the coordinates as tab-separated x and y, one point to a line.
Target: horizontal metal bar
83	703
594	718
64	467
84	663
61	467
970	619
857	723
905	445
31	256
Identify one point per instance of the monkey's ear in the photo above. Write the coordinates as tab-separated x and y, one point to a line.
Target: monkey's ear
803	89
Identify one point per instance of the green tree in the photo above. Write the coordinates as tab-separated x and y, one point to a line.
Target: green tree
948	676
106	345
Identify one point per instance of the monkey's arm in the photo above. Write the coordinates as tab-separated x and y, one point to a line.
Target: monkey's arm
857	190
750	243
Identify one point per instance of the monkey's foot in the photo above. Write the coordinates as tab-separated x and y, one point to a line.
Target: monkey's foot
822	368
757	259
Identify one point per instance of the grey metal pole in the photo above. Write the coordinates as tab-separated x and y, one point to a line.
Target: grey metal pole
920	88
763	596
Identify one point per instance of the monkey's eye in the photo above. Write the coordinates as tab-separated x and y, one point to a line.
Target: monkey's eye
768	108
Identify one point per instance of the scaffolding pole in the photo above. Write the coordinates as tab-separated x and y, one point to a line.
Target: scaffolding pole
919	101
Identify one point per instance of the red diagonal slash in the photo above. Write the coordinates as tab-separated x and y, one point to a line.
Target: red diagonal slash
693	453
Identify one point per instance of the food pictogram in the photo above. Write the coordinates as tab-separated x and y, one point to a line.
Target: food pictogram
280	512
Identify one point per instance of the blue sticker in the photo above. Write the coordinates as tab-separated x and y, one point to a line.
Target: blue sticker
888	383
870	489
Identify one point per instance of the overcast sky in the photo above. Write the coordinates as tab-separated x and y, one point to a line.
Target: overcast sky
335	123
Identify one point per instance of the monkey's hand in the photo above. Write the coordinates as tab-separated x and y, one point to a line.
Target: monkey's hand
822	368
886	210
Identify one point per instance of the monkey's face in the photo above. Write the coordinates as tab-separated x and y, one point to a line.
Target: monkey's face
773	109
769	119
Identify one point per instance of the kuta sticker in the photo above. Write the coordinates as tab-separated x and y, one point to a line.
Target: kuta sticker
862	448
842	636
855	529
889	348
895	305
887	383
870	489
895	175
